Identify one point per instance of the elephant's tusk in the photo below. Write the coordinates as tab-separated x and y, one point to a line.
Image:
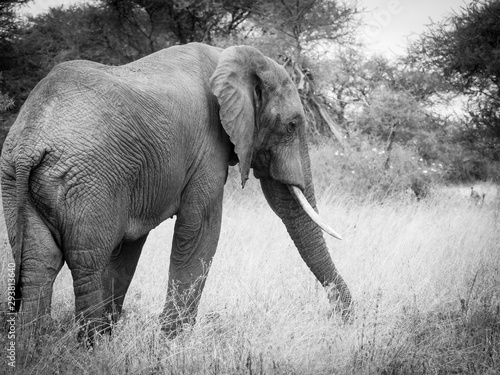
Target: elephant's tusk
301	199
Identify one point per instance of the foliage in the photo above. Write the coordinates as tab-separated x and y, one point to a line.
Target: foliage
78	32
370	173
8	17
464	48
5	101
392	114
8	27
389	103
149	25
300	26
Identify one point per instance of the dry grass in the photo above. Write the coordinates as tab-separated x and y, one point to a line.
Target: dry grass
425	277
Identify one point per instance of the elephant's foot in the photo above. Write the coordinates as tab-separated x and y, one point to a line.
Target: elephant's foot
96	324
181	308
33	319
28	329
178	315
113	312
94	315
91	329
29	326
173	322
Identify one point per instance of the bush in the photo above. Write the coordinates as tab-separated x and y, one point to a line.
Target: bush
6	102
370	173
471	168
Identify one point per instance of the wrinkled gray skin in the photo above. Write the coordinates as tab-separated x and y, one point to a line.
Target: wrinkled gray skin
101	155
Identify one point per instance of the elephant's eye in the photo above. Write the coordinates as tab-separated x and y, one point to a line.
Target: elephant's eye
290	128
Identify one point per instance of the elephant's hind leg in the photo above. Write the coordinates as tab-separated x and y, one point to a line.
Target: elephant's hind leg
119	273
87	251
41	262
87	265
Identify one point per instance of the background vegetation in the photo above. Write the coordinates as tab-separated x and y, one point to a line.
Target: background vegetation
395	144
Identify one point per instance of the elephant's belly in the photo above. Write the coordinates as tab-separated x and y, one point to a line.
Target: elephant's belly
140	226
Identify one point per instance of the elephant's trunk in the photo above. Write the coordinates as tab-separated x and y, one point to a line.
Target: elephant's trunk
307	235
308	239
309	210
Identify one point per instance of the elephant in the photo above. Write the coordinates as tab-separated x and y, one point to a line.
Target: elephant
100	155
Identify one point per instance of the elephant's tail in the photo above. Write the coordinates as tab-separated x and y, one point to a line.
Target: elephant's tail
23	172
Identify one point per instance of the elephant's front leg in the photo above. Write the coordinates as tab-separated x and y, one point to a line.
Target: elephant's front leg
195	240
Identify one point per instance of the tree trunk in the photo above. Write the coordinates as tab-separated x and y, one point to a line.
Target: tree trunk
390	141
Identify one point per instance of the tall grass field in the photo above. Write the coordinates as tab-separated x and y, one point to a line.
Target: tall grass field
425	278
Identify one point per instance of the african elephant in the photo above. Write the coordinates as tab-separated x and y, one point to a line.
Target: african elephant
100	155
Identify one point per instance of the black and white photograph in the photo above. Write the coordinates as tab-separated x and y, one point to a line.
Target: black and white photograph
306	187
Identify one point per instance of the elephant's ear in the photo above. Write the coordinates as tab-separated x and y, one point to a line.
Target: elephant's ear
237	86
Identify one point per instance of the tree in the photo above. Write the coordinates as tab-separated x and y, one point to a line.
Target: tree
5	101
302	25
8	16
9	25
149	25
465	49
384	102
61	34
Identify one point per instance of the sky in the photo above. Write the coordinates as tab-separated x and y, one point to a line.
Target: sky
389	23
40	6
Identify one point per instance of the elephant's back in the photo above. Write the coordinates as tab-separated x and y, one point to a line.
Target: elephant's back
83	98
193	59
81	115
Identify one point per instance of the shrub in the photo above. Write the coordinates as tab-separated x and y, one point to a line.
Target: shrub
370	172
472	167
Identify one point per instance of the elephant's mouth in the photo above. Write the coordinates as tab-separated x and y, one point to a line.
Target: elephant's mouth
260	173
262	166
302	201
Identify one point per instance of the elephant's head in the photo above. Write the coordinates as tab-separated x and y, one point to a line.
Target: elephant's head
261	111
